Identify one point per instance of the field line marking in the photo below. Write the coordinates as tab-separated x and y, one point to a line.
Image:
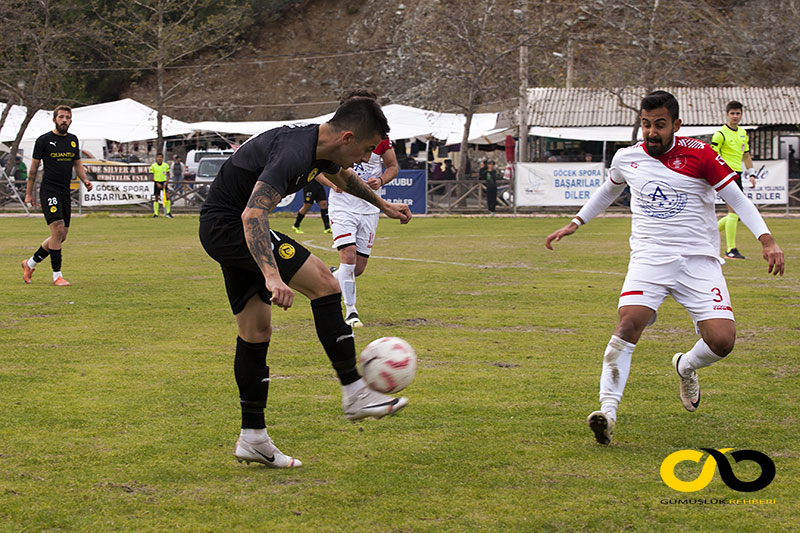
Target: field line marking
310	244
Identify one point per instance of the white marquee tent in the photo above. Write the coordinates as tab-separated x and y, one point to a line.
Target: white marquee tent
121	121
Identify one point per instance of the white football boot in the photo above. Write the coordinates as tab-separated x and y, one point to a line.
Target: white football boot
264	452
690	386
367	402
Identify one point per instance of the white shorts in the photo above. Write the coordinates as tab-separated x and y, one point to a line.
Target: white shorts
694	281
354	228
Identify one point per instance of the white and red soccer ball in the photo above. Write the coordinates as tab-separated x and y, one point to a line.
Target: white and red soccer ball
388	364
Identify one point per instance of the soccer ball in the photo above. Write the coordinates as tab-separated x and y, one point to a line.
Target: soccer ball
388	364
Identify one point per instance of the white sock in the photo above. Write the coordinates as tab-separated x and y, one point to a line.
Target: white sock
254	435
616	367
353	388
56	275
32	263
698	357
347	281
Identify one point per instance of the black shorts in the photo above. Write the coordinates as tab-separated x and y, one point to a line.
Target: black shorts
223	239
738	181
55	205
314	192
159	186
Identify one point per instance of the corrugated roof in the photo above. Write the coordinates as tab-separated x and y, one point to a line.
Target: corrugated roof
700	106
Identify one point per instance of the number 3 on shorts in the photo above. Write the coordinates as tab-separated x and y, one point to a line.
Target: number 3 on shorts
718	293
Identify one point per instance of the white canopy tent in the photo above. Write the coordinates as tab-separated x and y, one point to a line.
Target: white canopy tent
405	122
612	133
121	121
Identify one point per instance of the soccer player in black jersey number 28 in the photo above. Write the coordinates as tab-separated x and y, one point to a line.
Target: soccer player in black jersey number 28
262	266
60	152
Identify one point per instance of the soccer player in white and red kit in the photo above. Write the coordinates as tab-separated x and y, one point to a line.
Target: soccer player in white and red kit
674	250
354	221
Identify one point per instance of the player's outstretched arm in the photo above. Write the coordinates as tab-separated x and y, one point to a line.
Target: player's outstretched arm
569	229
773	254
352	184
255	219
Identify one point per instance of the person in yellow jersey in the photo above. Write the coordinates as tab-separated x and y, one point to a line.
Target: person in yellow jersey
732	144
160	172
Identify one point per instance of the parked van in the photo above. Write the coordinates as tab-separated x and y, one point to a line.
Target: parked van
193	158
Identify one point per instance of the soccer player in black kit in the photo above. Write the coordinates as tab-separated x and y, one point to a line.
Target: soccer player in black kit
262	266
60	152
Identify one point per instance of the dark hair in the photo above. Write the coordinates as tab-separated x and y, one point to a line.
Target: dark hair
62	107
361	115
657	99
352	93
160	154
733	104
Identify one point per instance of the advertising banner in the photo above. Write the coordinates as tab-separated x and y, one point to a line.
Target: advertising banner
556	184
117	193
772	183
409	187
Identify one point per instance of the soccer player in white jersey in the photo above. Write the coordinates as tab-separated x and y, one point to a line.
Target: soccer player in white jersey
674	250
354	221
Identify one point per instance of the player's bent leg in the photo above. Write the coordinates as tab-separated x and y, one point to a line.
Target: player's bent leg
361	264
346	276
317	283
254	321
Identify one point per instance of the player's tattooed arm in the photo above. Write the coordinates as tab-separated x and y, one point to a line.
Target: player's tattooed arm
354	185
255	219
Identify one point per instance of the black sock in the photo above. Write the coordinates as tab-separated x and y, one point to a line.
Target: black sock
325	220
41	254
336	336
252	377
55	260
298	220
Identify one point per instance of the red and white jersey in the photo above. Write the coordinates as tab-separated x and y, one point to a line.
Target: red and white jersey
341	201
672	198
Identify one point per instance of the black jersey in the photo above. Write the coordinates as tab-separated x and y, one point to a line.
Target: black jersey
285	158
57	153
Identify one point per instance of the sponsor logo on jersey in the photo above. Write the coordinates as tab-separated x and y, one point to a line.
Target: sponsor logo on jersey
72	143
286	250
659	200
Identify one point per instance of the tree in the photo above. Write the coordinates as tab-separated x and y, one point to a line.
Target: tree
472	60
153	36
34	54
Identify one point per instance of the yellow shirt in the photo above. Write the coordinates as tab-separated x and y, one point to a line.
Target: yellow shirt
159	171
731	145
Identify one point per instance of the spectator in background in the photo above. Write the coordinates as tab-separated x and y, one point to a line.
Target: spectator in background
491	186
436	171
449	172
20	170
177	169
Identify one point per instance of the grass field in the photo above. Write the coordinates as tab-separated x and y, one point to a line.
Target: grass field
119	408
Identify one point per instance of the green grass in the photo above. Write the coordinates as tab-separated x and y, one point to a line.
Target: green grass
119	410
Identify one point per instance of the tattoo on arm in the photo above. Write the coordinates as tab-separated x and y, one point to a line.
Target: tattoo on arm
356	186
256	224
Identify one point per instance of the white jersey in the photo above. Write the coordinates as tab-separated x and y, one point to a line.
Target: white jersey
342	201
672	198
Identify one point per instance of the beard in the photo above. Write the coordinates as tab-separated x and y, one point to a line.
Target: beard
62	128
656	146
